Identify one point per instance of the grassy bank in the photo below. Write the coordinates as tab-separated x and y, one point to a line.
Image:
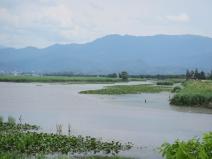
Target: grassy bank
63	79
24	141
127	89
191	149
194	93
51	79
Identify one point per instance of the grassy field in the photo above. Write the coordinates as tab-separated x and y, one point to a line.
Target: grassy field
194	93
128	89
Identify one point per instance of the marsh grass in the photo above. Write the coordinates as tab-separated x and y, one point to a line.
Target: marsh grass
194	93
128	89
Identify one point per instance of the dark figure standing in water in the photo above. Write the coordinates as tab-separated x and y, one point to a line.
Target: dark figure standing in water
145	100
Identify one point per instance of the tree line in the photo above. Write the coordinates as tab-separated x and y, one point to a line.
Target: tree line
198	75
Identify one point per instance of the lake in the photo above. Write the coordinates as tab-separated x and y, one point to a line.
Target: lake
120	117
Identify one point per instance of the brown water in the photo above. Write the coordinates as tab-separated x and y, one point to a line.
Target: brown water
120	117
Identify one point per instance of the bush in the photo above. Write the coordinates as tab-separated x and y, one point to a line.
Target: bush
176	89
191	149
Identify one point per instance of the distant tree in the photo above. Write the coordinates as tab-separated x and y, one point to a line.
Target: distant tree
192	76
210	75
196	74
113	75
124	75
188	75
202	75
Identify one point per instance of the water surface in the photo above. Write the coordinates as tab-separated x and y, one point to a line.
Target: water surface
120	117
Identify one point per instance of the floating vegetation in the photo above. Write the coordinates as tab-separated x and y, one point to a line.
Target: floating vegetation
24	140
128	89
192	149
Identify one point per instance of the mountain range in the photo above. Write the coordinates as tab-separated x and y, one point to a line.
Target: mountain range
159	54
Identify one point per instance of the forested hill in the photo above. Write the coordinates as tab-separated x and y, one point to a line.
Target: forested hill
160	54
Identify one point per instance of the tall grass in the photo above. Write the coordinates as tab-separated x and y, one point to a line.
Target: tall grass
194	93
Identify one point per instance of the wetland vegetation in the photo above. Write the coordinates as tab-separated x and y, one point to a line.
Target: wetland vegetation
128	89
24	140
194	93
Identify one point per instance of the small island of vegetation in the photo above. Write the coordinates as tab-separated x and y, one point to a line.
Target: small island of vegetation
128	89
194	93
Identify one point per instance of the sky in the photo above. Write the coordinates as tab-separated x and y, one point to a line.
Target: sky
40	23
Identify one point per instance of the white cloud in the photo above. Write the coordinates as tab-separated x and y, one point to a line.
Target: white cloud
44	22
178	18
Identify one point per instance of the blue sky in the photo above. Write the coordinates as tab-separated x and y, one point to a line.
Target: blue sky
41	23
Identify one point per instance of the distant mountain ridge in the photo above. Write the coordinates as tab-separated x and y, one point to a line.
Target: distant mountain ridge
159	54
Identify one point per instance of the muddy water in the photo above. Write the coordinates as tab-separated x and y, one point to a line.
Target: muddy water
120	117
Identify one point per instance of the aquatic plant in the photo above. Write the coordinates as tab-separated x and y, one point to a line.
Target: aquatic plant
14	140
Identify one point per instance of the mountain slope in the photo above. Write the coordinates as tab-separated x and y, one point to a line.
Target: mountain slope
113	53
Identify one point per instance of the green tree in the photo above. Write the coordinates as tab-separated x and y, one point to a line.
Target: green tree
202	75
196	74
124	76
188	75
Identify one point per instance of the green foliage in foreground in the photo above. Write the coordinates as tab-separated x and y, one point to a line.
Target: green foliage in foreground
40	156
33	143
191	149
194	93
22	140
128	89
77	79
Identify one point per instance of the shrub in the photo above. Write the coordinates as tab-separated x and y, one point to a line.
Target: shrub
176	89
191	149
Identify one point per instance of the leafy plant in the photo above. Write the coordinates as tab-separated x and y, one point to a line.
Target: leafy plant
191	149
14	139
